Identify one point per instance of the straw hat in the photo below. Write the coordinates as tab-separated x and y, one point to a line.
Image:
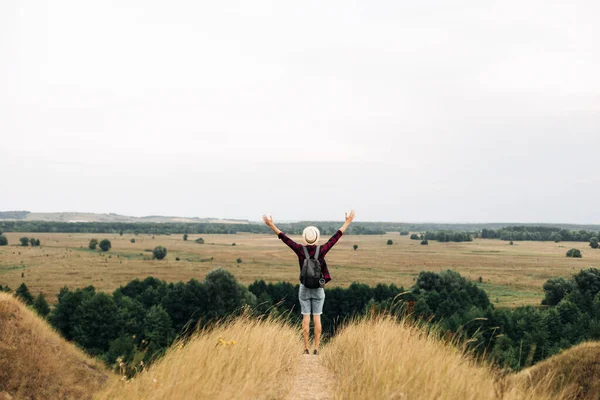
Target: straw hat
311	235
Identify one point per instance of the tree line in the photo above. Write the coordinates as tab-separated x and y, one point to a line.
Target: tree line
139	320
539	233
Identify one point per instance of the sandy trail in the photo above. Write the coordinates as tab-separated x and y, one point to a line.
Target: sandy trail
313	381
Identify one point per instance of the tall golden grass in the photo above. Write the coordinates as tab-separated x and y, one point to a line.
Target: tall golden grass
244	358
382	358
36	363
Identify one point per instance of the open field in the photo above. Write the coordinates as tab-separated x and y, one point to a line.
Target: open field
512	275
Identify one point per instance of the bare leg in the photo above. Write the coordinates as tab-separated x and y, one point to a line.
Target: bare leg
306	329
318	329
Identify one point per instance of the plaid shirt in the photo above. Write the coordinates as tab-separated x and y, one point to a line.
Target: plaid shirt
311	251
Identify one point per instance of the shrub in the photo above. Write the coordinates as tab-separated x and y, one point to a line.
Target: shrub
511	243
23	293
594	243
239	260
233	244
3	240
132	240
24	241
404	233
185	236
355	247
93	244
34	242
121	232
105	245
390	242
159	252
177	258
200	241
575	253
40	305
414	236
424	242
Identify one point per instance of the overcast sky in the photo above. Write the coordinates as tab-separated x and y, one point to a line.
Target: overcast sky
462	111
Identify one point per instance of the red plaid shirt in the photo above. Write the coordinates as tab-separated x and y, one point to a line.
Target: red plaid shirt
311	251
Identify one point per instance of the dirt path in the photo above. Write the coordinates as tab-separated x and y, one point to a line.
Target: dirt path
313	381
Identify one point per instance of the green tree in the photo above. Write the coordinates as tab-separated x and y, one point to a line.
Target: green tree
23	293
97	322
24	241
61	316
93	244
105	245
355	247
121	232
575	253
594	242
390	242
41	305
158	328
556	289
132	240
185	236
3	240
414	236
159	252
424	242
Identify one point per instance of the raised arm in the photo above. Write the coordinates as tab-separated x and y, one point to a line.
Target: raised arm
292	245
349	219
270	224
336	236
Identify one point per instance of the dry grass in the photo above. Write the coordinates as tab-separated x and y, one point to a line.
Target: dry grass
512	275
380	358
35	363
242	359
576	370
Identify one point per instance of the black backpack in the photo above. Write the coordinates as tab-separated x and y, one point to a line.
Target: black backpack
311	275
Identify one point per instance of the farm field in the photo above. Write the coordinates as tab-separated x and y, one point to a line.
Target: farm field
511	275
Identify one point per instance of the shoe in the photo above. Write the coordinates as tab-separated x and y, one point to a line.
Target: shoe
306	352
316	352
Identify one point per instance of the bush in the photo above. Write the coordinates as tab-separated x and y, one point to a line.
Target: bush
390	242
34	242
23	293
3	240
424	242
177	259
404	233
159	252
132	240
511	243
24	241
594	243
185	236
414	236
93	244
355	247
575	253
105	245
200	241
233	244
40	305
239	260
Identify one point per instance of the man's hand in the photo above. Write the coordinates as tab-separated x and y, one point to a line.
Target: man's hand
350	218
268	220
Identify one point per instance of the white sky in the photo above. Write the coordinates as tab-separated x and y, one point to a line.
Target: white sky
405	110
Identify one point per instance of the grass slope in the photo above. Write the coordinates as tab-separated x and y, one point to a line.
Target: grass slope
576	370
36	363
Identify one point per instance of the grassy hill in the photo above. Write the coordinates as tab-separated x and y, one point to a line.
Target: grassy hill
576	370
377	357
36	363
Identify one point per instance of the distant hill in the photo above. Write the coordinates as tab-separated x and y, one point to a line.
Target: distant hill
36	363
93	217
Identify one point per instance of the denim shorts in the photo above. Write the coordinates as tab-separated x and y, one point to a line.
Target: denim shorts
311	300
